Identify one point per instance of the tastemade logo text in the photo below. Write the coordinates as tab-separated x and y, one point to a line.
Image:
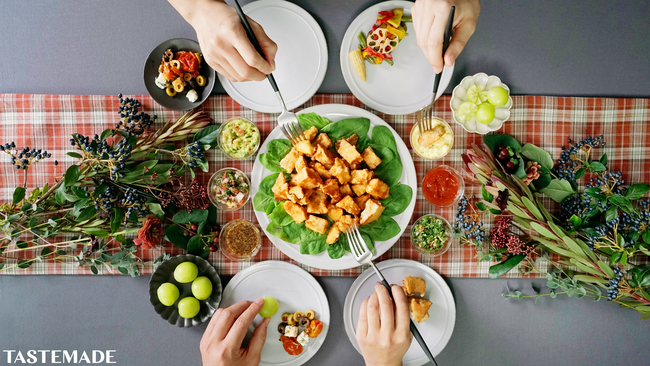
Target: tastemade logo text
48	357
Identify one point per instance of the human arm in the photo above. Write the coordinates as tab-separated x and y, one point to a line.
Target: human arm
222	339
223	40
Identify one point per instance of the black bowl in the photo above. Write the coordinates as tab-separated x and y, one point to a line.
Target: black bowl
165	273
178	102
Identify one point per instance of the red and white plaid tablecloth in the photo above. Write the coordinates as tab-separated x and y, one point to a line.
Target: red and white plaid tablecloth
47	121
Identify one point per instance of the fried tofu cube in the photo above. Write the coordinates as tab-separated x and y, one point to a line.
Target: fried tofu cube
305	147
345	222
345	190
317	203
331	188
361	201
335	213
320	169
301	163
307	178
288	163
372	211
352	140
317	224
414	286
349	205
359	189
324	157
280	188
361	176
419	308
349	152
378	189
333	235
323	140
371	159
310	134
340	171
300	195
297	212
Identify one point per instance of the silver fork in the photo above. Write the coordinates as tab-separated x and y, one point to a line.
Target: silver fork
363	255
425	115
288	121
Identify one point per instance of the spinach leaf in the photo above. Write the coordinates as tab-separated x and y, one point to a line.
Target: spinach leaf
280	216
264	197
347	127
390	169
294	231
398	200
382	229
312	242
307	120
276	151
382	136
336	250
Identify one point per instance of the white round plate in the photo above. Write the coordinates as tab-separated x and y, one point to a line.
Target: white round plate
409	80
295	290
300	63
436	330
335	112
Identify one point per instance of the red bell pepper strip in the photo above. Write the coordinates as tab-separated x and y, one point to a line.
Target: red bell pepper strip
374	53
387	15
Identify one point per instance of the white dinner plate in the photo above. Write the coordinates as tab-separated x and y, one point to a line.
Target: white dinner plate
295	290
300	63
403	88
436	330
335	112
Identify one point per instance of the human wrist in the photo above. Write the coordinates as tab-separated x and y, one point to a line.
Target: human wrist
382	363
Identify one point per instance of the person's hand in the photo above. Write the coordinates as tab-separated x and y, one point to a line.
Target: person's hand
222	340
224	43
383	332
430	20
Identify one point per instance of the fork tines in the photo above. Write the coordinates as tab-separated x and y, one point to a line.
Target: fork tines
357	244
424	117
292	131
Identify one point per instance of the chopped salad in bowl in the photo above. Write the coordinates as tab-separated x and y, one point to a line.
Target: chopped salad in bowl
239	138
229	189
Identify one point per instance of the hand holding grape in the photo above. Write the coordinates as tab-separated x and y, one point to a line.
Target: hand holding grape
221	342
430	20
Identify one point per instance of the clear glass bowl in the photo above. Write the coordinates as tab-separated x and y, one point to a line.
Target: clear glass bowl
445	246
461	185
415	131
237	254
223	144
213	181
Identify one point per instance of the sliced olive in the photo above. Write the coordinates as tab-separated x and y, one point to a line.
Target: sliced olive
303	322
282	327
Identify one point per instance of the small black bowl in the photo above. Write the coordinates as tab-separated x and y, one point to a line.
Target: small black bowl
178	102
165	273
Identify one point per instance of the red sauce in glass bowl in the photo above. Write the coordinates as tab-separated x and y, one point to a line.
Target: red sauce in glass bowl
443	186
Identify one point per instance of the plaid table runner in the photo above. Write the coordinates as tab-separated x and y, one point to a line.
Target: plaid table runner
46	122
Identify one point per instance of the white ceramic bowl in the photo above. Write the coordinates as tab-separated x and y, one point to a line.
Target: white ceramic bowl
459	96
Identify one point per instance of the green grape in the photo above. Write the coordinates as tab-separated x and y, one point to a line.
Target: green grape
466	111
202	288
167	294
477	94
188	307
485	113
270	307
186	272
497	96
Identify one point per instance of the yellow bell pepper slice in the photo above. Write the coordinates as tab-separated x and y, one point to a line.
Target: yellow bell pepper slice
397	17
396	31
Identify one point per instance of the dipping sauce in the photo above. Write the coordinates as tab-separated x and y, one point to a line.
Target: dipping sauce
240	239
443	186
440	147
239	138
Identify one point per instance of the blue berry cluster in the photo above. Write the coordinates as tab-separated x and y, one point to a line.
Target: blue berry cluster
105	201
568	164
133	123
22	159
468	221
196	153
638	221
114	156
581	205
611	181
612	292
134	204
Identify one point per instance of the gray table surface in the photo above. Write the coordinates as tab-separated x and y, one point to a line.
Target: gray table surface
551	47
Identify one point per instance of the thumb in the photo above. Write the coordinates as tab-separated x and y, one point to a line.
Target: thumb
458	42
269	47
259	337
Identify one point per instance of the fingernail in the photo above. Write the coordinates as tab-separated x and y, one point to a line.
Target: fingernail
259	301
450	60
436	70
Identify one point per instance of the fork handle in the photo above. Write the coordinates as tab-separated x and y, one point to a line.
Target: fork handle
414	329
253	39
445	45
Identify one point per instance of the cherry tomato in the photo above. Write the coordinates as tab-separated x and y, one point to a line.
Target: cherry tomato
291	345
314	329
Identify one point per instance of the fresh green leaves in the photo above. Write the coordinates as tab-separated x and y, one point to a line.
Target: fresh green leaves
537	154
502	268
382	229
307	120
186	217
276	151
559	190
390	169
637	191
494	141
398	200
264	196
207	135
382	136
19	194
176	235
196	246
71	175
347	127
